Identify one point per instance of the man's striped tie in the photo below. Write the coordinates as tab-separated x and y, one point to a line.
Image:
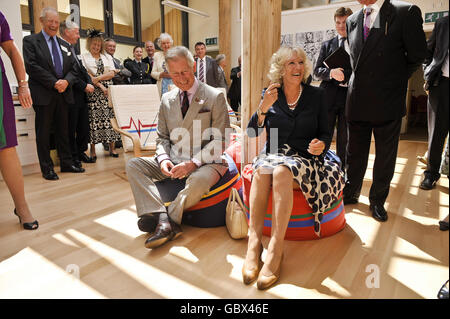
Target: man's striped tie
201	71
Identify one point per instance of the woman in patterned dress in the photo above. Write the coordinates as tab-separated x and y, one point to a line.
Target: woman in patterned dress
159	70
100	67
9	161
295	119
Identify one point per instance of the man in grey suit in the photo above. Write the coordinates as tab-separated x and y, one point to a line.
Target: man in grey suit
192	120
207	69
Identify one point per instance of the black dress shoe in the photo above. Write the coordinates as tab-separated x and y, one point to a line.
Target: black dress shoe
443	292
379	213
348	200
77	163
164	232
72	169
148	223
443	225
86	159
113	154
50	175
428	183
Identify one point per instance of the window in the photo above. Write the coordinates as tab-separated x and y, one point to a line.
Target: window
26	11
92	14
123	18
150	20
130	22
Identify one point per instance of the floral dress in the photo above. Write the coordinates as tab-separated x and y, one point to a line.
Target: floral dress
100	113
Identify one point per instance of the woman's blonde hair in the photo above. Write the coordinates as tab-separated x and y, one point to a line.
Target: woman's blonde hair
279	59
89	41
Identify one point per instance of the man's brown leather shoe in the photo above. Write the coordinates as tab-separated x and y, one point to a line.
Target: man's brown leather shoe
165	232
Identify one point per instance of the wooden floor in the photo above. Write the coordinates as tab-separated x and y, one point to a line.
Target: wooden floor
88	245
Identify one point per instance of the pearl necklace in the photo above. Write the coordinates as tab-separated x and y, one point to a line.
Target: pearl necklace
294	104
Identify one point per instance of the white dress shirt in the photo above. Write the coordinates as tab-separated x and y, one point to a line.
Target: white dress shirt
445	66
375	10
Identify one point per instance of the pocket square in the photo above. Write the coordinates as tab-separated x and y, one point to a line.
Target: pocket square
204	110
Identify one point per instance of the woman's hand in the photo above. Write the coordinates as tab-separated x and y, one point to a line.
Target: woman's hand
94	79
270	96
25	97
316	147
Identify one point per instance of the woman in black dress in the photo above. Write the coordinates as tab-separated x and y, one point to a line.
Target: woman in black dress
295	119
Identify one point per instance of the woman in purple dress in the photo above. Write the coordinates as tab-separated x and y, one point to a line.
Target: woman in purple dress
9	161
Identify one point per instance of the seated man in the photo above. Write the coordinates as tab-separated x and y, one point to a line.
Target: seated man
191	136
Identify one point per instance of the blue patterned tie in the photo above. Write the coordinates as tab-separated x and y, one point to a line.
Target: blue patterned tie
56	59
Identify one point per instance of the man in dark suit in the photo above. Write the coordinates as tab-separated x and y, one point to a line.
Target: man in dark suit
207	68
78	112
334	82
121	73
50	67
387	44
150	49
436	73
234	93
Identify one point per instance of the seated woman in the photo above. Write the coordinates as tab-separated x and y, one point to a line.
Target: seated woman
140	71
295	119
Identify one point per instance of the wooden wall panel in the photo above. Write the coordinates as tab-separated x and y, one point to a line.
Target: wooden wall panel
38	5
225	34
261	32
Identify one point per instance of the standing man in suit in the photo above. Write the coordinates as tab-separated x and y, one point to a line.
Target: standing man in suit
387	44
150	49
191	109
436	73
334	82
207	68
51	71
234	93
221	61
78	112
121	73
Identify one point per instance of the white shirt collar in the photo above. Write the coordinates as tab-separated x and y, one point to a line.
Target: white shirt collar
376	6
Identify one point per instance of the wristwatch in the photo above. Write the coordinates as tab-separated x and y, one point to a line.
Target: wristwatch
259	112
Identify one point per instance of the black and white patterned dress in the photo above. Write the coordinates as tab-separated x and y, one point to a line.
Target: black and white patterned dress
100	113
321	180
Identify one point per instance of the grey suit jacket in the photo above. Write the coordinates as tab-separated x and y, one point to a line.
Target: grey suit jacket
192	137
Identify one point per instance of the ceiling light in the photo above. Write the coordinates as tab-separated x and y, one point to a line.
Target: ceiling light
184	8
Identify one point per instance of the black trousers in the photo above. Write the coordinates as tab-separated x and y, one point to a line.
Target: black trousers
386	145
336	117
54	115
438	114
78	130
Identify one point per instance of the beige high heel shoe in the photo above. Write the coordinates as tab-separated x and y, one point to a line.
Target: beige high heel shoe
265	282
250	275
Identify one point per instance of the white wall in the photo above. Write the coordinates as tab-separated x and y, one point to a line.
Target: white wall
11	10
200	27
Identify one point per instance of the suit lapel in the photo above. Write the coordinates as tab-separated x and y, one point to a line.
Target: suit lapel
67	64
355	37
334	44
45	51
377	33
175	108
198	101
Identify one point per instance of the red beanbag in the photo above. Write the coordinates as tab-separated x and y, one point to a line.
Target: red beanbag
301	224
